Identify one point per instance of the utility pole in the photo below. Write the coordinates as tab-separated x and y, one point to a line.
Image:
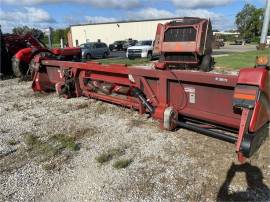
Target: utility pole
48	32
265	27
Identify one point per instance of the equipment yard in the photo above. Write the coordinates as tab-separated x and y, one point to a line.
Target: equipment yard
173	120
54	149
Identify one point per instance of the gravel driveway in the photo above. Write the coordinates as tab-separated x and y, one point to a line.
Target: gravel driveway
53	149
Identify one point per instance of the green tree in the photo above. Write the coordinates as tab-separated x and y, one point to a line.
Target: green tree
249	21
58	34
25	30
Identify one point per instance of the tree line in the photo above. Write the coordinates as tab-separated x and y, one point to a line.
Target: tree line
56	34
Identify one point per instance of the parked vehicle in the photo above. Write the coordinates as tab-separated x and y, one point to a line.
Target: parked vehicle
94	50
117	46
142	49
129	43
218	41
242	41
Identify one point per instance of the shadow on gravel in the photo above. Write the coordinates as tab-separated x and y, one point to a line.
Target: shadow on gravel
256	190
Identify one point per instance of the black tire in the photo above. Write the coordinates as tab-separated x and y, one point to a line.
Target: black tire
149	55
19	68
206	63
105	55
31	70
88	56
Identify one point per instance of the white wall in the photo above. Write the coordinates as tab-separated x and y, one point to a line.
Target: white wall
111	32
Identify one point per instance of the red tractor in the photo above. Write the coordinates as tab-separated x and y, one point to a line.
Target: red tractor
185	43
19	51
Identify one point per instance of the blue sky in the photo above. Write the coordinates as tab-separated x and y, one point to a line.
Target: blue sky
62	13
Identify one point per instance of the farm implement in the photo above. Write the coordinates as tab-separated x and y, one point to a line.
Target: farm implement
19	50
232	108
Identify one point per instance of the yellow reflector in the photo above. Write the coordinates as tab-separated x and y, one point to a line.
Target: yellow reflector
262	60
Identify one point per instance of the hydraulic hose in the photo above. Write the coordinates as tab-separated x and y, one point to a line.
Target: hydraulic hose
136	92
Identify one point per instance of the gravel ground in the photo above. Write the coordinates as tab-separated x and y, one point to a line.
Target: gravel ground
162	166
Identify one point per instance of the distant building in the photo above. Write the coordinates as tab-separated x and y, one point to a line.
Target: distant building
236	34
113	31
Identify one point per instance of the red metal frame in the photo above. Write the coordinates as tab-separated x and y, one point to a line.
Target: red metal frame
203	97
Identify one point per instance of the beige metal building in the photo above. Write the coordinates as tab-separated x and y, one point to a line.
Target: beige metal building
113	31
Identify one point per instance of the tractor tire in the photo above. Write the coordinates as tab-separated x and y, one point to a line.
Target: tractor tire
5	63
206	63
19	68
31	70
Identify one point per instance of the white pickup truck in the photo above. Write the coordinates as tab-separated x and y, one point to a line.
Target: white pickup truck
142	49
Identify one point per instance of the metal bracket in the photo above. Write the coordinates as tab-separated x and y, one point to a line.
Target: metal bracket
244	124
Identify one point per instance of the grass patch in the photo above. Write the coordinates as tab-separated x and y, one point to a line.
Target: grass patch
240	60
103	158
135	123
12	142
81	106
110	154
40	148
55	163
126	61
47	150
66	142
123	163
31	140
39	94
100	108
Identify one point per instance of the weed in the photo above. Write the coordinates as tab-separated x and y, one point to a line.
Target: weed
123	163
135	123
48	166
55	163
24	118
31	140
85	132
107	156
4	130
66	142
16	106
39	94
81	106
12	142
103	158
100	108
52	147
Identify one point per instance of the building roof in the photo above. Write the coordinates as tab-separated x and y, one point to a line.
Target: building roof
126	21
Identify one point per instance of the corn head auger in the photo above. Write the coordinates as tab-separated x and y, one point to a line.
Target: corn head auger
232	108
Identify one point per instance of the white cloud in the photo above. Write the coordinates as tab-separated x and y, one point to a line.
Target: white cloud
218	20
200	3
150	13
30	16
26	15
99	19
122	4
